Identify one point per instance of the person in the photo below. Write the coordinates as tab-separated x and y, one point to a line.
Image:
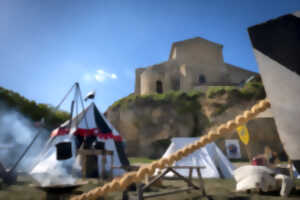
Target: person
282	176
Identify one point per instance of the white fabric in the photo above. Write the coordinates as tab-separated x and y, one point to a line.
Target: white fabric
287	184
244	171
49	162
52	171
251	177
88	121
210	157
110	145
260	177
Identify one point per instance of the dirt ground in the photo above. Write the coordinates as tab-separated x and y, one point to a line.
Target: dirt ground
216	189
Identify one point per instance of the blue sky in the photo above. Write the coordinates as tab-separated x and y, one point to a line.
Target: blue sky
47	45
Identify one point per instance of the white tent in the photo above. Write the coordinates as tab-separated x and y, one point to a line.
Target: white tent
89	123
210	156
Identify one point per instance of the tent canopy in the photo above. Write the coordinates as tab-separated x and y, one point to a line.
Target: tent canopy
210	156
91	125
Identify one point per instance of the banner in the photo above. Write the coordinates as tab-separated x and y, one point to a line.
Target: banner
233	149
243	133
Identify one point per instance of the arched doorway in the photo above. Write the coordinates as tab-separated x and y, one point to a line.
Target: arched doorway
159	87
201	79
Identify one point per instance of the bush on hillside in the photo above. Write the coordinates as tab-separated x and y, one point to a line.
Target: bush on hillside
251	90
184	102
32	110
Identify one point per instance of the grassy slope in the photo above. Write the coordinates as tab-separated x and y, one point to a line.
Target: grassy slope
30	109
252	90
217	189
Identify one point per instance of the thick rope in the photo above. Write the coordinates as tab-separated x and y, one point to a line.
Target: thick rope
120	184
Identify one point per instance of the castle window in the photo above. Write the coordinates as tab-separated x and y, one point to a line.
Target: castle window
175	84
159	87
201	79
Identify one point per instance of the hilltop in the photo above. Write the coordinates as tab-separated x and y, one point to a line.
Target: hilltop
30	109
148	122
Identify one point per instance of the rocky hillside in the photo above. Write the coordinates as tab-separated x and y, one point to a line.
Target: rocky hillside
148	122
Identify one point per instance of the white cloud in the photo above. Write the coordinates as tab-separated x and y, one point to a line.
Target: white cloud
87	77
99	76
114	76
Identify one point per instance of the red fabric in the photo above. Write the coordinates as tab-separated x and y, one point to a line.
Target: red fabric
259	160
59	131
87	132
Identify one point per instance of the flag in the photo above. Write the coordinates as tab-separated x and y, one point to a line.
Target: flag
243	134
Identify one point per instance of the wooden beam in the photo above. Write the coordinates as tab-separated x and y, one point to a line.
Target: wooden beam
94	152
189	182
156	179
201	182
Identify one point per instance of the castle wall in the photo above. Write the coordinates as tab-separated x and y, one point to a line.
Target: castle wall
198	51
149	78
200	57
165	72
189	60
236	74
138	72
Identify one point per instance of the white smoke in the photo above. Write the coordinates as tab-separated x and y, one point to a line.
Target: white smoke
16	133
50	171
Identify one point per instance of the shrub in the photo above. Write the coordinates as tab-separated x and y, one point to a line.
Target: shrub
220	108
213	92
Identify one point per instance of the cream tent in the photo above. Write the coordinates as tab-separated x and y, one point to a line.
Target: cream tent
210	156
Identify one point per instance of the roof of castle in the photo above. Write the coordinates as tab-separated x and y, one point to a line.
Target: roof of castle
189	41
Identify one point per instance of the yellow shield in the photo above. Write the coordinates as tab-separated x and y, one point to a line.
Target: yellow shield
243	133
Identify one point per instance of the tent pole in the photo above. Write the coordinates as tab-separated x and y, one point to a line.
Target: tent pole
26	150
50	140
83	108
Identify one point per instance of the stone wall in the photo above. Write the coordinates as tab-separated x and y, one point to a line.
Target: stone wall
196	51
236	74
263	133
138	73
141	124
189	60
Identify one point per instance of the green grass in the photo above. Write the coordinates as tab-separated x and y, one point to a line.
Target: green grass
217	189
135	160
186	101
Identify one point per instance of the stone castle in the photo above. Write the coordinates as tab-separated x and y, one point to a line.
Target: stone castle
193	64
